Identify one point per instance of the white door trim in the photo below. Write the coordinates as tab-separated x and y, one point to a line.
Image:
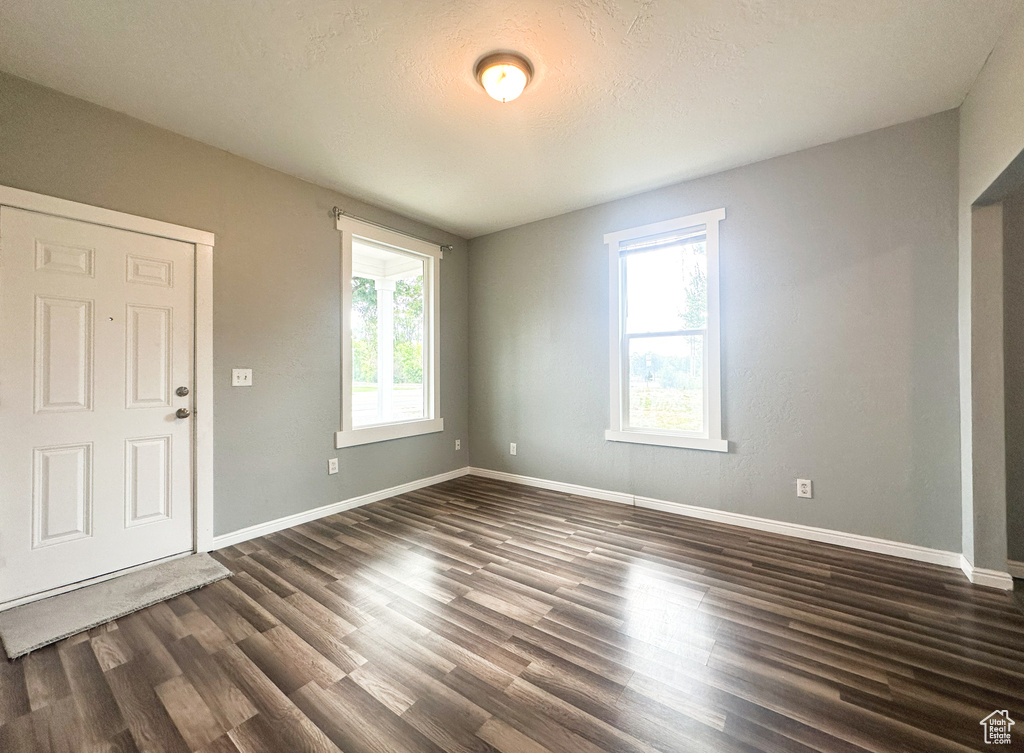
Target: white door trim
202	424
202	402
72	210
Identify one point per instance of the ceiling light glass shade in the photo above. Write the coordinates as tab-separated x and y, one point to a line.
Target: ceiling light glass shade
504	75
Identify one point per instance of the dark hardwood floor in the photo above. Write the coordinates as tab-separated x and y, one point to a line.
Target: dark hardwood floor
481	616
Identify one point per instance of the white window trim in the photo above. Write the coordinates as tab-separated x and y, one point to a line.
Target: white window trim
619	430
350	436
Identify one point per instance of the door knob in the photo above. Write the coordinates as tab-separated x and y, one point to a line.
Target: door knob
181	391
182	413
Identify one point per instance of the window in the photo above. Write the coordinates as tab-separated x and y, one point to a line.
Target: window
665	366
389	335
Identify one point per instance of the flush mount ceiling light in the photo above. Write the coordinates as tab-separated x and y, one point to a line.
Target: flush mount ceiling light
504	75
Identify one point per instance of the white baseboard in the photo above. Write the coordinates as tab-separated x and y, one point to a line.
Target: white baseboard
993	578
272	526
981	576
1015	568
556	486
810	533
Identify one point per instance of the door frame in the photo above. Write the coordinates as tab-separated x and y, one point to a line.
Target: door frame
202	425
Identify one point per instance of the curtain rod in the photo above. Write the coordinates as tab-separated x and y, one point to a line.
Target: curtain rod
339	213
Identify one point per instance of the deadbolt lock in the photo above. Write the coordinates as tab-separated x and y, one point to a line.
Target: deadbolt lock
181	391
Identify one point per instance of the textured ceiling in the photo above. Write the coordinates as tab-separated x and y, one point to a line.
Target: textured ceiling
377	98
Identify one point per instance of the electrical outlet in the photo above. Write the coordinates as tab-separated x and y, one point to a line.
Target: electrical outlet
332	466
458	444
512	448
804	488
241	377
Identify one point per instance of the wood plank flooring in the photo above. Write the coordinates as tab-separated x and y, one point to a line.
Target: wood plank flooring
478	616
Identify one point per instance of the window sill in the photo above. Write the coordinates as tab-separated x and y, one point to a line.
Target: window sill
667	440
372	434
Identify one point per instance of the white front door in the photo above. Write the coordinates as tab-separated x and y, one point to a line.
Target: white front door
96	338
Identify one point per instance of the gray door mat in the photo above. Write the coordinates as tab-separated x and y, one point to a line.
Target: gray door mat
32	626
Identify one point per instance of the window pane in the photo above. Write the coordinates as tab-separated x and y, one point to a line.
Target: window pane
666	383
364	352
408	348
388	305
666	288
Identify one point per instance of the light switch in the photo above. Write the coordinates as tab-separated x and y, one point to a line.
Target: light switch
241	377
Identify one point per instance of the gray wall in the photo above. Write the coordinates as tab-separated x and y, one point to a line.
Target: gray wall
839	308
991	137
991	117
1013	334
276	297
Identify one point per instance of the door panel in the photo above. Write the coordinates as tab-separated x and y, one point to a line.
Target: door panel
148	483
61	494
64	354
150	271
52	257
96	334
149	356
